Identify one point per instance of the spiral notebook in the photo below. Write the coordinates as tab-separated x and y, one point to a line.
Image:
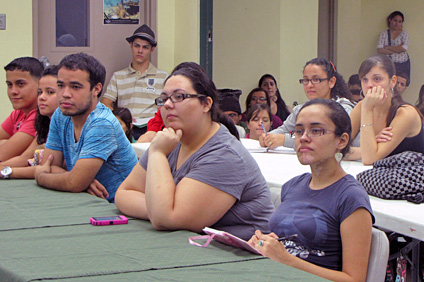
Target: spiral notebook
223	237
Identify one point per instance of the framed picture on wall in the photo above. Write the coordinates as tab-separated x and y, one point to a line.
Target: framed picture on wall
121	11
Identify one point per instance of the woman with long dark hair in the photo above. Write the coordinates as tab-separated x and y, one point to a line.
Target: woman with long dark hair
382	107
327	210
198	173
394	42
278	106
320	80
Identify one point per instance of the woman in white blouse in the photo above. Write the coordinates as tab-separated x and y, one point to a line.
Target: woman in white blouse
394	42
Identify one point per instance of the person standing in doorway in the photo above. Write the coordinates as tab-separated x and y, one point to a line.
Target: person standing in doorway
137	86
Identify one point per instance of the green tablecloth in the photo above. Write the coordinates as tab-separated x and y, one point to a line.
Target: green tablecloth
23	204
45	235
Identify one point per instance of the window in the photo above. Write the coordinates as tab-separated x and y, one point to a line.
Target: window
72	23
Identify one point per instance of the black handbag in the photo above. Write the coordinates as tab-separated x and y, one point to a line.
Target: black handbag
398	177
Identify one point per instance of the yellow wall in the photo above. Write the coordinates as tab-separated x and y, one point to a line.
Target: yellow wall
299	44
15	41
253	37
360	23
178	32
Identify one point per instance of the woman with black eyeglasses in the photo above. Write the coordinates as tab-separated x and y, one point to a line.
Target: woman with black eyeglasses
327	213
320	80
260	96
196	173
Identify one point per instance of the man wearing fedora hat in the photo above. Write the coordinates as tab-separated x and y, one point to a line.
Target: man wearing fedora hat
137	86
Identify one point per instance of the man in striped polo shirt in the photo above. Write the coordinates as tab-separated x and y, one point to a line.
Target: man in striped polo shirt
137	86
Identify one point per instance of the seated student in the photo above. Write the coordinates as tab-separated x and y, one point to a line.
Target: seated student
85	134
230	105
354	85
278	106
402	82
17	167
156	124
320	80
258	117
195	172
260	96
123	115
384	110
17	131
328	209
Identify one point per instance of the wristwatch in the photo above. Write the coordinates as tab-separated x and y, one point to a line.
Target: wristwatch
6	172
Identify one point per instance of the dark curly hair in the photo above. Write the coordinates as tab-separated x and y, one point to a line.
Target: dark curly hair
340	89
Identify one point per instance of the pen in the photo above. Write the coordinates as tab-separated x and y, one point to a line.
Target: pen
263	127
266	133
287	238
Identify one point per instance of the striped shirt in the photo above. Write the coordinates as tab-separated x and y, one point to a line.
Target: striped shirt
136	91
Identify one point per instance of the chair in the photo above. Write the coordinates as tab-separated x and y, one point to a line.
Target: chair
379	253
275	196
379	256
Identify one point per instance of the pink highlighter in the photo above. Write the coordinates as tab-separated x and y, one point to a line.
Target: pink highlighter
109	220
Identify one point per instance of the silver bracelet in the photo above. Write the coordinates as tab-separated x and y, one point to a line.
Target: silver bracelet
365	125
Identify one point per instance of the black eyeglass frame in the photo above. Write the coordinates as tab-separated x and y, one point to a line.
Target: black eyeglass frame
305	81
297	133
161	101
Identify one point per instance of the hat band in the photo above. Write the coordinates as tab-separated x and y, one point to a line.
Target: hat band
142	34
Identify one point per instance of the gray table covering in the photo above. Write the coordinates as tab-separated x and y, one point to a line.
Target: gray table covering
46	236
23	204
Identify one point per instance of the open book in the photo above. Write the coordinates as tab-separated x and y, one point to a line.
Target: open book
223	237
253	147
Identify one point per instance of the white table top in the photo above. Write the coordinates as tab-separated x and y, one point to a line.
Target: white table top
282	165
396	215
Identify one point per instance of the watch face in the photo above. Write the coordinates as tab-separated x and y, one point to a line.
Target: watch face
6	171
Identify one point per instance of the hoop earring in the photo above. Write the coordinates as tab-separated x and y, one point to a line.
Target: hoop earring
338	156
361	93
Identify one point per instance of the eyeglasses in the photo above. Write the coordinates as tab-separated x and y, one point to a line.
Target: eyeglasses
175	98
260	99
311	132
305	81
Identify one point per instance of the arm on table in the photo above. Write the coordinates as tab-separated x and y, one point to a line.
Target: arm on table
51	175
130	197
22	160
15	145
405	123
191	205
356	233
152	194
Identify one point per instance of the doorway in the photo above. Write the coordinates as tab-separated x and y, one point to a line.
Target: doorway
106	42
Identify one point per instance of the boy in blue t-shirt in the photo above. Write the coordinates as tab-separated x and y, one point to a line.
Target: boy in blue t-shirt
85	134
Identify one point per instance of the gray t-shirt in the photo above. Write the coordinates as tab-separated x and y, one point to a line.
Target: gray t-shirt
225	164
